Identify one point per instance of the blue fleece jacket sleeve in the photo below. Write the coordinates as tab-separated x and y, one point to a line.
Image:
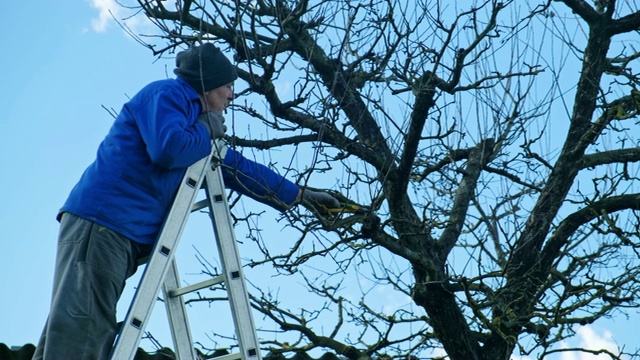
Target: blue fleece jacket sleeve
258	181
173	137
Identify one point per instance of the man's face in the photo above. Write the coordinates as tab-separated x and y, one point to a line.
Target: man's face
218	99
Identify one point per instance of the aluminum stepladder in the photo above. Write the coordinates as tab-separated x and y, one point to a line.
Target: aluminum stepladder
161	269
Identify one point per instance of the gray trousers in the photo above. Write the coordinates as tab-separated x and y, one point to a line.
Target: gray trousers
92	265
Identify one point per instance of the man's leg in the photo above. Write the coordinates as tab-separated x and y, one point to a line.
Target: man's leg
92	265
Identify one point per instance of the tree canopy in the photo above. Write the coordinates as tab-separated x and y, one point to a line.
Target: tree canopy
490	144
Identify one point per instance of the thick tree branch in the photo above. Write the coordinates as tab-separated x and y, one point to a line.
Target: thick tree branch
584	10
625	24
568	226
479	157
611	157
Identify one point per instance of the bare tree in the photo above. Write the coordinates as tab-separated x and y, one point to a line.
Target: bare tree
492	146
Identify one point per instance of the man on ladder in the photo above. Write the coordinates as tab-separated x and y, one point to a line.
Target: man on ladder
113	215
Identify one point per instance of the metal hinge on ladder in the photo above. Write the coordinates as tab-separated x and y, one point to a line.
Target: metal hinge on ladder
161	270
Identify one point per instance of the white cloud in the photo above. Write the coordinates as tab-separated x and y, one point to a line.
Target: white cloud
588	338
105	9
110	12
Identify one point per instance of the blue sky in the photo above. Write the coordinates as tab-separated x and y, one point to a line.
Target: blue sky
62	62
58	73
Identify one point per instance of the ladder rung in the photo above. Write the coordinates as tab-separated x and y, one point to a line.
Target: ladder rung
200	205
235	356
196	286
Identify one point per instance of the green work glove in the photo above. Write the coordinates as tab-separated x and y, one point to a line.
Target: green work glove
214	123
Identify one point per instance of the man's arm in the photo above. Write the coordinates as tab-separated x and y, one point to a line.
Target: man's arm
264	185
171	134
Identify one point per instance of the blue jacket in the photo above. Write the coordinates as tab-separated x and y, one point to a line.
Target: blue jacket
130	186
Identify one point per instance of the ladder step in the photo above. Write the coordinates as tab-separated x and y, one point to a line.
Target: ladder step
200	205
197	286
234	356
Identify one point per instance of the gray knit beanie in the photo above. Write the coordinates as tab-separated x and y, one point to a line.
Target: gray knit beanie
205	68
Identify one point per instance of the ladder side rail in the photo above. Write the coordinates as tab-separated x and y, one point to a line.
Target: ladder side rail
177	316
156	269
231	263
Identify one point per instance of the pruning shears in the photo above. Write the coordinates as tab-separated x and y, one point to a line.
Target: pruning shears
346	205
350	208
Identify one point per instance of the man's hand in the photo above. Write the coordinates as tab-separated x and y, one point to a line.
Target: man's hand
318	200
214	123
